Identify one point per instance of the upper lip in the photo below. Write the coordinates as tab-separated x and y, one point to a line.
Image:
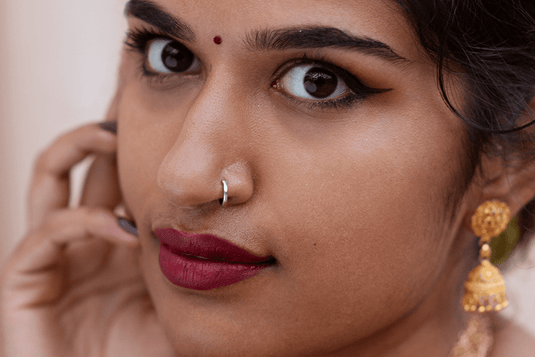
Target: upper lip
206	246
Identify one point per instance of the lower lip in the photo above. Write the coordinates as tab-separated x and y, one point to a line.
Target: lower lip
200	274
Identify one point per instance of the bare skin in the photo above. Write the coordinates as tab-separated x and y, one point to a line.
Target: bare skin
350	201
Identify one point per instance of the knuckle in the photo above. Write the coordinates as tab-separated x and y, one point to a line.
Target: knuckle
91	215
52	222
28	242
42	162
89	212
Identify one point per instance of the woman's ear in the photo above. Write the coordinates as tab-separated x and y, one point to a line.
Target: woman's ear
511	181
515	186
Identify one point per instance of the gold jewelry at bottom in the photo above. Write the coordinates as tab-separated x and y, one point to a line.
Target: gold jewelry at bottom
484	289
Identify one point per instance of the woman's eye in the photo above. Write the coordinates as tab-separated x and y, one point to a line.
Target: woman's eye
168	56
309	81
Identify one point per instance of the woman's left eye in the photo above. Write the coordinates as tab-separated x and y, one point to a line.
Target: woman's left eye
310	81
168	56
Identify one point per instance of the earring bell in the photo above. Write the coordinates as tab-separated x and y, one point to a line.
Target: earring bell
484	287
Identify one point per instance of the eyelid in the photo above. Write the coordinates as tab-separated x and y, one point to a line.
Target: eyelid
139	38
320	62
358	91
317	60
142	35
345	75
146	33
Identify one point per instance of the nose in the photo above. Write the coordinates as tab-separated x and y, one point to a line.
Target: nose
212	146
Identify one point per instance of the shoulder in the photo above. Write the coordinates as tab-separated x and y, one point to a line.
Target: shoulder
511	340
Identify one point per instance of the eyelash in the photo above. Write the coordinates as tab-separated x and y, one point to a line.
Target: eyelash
359	91
138	39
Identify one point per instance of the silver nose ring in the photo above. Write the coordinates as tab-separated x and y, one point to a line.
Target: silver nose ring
225	193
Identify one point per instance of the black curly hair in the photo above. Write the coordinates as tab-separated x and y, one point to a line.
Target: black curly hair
489	46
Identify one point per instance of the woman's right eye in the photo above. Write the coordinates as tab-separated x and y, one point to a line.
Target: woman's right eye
168	56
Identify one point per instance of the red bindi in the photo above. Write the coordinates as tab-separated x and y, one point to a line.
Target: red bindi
217	40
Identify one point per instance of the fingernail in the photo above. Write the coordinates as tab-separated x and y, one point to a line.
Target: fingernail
110	126
127	226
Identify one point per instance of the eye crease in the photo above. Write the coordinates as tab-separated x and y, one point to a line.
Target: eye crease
312	82
168	56
315	82
162	56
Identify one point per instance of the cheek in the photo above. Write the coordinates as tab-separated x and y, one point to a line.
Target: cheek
359	225
355	227
147	132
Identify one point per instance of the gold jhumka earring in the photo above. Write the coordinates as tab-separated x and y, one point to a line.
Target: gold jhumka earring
485	288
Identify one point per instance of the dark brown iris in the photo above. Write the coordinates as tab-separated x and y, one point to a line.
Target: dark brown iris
320	82
177	57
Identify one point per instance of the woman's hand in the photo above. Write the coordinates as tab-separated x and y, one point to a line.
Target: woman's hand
73	286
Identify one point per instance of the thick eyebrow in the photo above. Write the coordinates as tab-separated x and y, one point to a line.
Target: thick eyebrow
152	14
309	37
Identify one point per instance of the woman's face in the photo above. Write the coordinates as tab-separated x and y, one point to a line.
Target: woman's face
338	153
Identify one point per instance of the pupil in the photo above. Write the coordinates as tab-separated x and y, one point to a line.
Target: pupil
320	82
176	57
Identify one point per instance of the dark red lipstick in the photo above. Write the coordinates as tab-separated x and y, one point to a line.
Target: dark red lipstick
204	261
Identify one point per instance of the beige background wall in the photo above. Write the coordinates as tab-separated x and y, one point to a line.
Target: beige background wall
58	61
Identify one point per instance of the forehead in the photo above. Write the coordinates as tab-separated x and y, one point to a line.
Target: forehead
380	20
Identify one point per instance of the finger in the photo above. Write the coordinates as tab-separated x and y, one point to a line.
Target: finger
70	225
101	186
35	267
49	189
101	189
